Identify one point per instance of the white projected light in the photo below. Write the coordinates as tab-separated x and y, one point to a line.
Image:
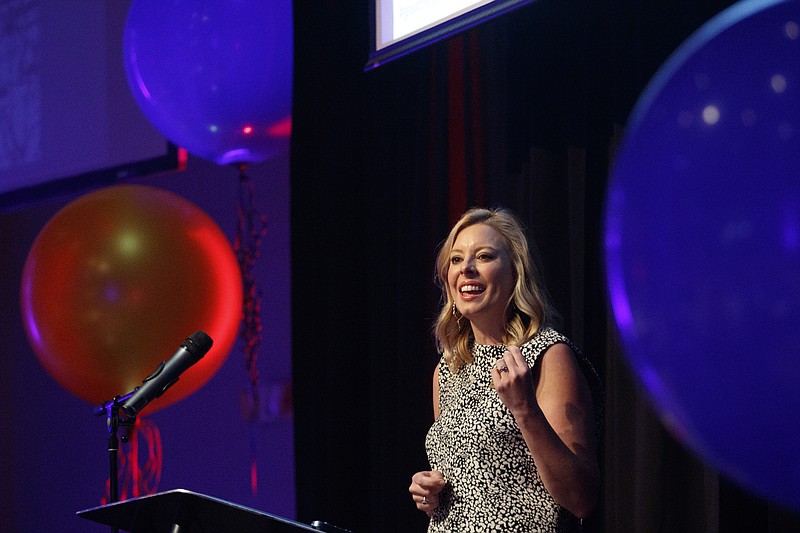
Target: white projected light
408	17
402	26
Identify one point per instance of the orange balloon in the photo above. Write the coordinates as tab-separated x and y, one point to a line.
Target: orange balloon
117	280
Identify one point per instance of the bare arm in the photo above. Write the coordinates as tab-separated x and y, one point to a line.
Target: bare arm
553	409
426	486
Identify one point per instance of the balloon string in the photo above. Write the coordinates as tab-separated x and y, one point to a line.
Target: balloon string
151	472
250	232
133	465
137	481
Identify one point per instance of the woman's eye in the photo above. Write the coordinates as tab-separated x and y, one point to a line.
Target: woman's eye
486	257
455	260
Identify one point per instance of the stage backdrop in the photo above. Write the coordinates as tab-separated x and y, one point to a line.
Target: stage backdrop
525	112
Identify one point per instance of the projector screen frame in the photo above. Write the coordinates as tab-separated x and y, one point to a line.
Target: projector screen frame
444	30
173	159
75	125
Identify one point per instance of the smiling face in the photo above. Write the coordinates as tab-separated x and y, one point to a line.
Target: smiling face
481	280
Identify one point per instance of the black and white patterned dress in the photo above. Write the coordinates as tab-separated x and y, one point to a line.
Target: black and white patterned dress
492	481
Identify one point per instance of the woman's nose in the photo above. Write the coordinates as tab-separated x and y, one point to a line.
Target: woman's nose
467	267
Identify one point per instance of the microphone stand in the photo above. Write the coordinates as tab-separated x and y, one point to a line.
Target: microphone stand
110	409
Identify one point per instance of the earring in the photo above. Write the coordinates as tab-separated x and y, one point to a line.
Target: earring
455	313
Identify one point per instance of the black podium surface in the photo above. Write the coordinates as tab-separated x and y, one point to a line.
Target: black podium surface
184	511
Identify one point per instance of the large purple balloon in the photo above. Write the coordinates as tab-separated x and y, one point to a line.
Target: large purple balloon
214	76
702	244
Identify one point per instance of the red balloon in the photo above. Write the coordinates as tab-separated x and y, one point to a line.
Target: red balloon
117	280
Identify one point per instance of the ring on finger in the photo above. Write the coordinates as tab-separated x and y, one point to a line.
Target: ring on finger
424	500
502	369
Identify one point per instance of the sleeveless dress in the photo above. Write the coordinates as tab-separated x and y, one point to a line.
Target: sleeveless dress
492	481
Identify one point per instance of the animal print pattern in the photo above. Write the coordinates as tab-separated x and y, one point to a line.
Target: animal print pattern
492	481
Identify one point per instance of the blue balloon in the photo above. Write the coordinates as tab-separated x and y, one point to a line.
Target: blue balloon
702	245
214	76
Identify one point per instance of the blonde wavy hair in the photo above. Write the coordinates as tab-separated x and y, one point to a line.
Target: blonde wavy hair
529	307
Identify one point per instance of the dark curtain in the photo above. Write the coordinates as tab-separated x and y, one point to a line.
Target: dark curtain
524	111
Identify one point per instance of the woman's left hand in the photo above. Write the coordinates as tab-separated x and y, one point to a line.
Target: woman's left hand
513	381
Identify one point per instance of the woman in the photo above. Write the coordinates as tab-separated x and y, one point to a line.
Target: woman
512	447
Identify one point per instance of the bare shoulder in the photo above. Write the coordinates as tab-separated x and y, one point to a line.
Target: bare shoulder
561	360
560	375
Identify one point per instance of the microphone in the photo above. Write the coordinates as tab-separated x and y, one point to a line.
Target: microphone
167	373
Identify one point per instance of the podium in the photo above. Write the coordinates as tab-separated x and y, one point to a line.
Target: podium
184	511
